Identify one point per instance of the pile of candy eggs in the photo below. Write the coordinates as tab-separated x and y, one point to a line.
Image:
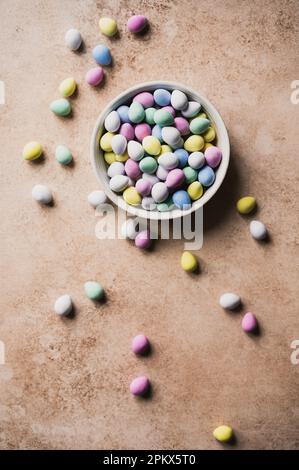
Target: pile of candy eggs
161	150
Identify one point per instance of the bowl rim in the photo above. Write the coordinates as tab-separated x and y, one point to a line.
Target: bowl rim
123	97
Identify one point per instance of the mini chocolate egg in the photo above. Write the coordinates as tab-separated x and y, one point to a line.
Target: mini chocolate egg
96	198
148	204
209	135
112	121
169	161
183	156
127	130
223	433
181	199
108	26
136	112
199	125
109	157
249	322
63	305
206	176
175	178
102	55
42	194
118	183
190	174
135	150
137	23
148	165
171	136
132	169
151	145
161	173
119	144
162	97
143	240
166	205
61	107
229	301
258	230
189	262
94	76
194	143
63	155
196	160
131	196
94	290
105	142
195	190
143	187
179	100
73	39
163	118
191	110
142	130
159	192
213	156
116	168
140	345
67	87
32	150
246	204
123	112
157	132
145	98
149	116
182	125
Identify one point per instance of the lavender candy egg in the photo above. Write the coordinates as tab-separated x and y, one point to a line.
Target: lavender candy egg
157	132
127	130
145	98
140	386
183	156
143	239
94	76
123	112
182	125
140	344
160	192
132	169
175	178
213	156
143	187
161	173
142	130
196	160
148	204
137	23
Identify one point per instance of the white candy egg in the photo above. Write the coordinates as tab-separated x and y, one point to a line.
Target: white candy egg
42	194
129	229
160	192
96	198
118	183
168	160
196	160
179	100
112	121
63	305
73	39
229	301
135	150
116	168
119	144
161	173
148	204
171	136
152	178
192	109
258	230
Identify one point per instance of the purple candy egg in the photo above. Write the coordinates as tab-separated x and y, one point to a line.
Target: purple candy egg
145	98
140	385
249	322
213	156
142	130
140	344
143	239
182	125
175	178
94	76
170	109
136	23
143	187
132	169
127	130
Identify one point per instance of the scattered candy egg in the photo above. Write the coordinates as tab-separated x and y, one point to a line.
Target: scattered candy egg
213	156
143	187
118	183
196	160
179	100
73	39
175	178
94	290
67	87
96	198
102	55
145	98
132	169
151	145
148	165
131	196
169	161
194	143
206	176
183	156
112	121
163	118
136	112
127	130
42	194
195	190
137	23
61	107
229	301
246	204
190	174
63	155
162	97
258	230
123	112
249	322
129	229
182	125
63	305
143	239
171	136
159	192
199	125
191	110
142	130
135	150
32	150
223	433
148	204
94	76
108	26
181	199
161	173
119	144
140	344
189	262
116	168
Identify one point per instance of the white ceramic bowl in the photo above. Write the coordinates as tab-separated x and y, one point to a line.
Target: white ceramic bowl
100	166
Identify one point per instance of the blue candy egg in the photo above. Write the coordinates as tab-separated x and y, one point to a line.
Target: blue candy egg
181	199
206	176
123	112
101	54
162	97
157	132
183	156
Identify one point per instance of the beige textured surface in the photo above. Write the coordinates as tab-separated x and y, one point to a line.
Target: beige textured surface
65	383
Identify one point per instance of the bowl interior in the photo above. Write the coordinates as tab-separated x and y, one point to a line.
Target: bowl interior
100	166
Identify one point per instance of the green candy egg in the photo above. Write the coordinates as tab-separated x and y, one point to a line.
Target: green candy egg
163	118
61	107
190	174
149	116
148	165
199	125
165	206
63	155
94	290
136	112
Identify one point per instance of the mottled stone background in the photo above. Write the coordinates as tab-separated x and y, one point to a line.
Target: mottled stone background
65	383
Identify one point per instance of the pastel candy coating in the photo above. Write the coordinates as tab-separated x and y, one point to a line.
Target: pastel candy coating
169	161
42	194
140	344
129	229
213	156
118	183
179	100
249	322
159	192
209	135
181	199
148	165
161	173
157	132
246	204
148	204
108	26
112	121
153	179
192	109
206	176
119	144
116	168
229	301
32	150
165	149
145	98
109	157
258	230
105	142
223	433
166	205
135	150
143	239
171	136
63	155
149	116
131	196
206	146
61	107
67	87
196	160
194	143
140	386
137	23
151	145
170	110
94	290
182	125
163	118
132	169
127	130
175	178
143	187
102	55
190	174
183	156
179	144
162	97
199	125
96	198
142	130
63	305
136	112
73	39
195	190
189	262
94	76
122	158
123	112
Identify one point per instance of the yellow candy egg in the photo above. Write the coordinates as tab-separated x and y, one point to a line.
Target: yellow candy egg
165	149
246	204
151	145
108	26
109	157
194	143
210	134
188	261
131	196
202	115
67	87
195	190
105	142
122	158
207	145
223	433
32	151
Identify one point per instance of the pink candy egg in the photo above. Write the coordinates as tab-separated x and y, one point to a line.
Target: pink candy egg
132	169
145	98
127	130
182	125
249	322
143	239
140	385
142	130
175	178
136	23
94	76
170	109
140	344
213	156
143	187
